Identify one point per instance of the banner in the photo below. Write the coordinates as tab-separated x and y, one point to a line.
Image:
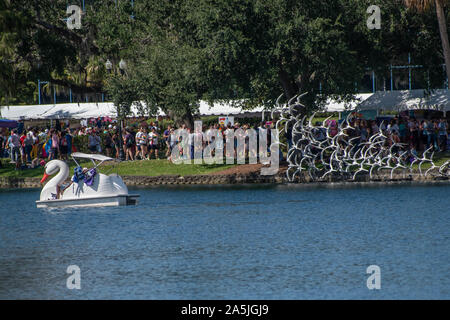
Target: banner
226	120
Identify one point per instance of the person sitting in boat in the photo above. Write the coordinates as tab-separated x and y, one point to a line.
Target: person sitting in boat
79	174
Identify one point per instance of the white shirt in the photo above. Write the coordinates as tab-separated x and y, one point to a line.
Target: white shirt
229	132
141	138
153	137
191	138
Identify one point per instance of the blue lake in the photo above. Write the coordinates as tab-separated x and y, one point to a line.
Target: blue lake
220	242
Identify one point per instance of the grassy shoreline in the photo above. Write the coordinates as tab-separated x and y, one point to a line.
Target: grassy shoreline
154	168
151	168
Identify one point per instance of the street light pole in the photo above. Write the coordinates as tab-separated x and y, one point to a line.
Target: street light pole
109	68
122	67
121	153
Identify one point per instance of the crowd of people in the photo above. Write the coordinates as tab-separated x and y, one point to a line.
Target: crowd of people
148	140
33	146
417	135
141	144
30	148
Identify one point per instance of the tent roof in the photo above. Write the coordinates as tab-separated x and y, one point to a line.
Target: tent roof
101	109
223	109
107	109
333	106
62	111
407	100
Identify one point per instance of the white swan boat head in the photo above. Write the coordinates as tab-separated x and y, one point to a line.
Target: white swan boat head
87	187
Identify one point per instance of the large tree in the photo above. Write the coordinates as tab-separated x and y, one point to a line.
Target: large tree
45	48
253	50
186	50
424	5
12	69
180	51
257	49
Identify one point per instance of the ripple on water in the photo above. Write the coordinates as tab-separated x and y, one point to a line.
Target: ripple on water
283	242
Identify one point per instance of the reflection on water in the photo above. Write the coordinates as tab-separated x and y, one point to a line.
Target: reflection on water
262	242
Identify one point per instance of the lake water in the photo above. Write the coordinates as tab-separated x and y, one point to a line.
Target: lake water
264	242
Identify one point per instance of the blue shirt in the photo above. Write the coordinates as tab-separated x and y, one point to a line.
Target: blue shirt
69	140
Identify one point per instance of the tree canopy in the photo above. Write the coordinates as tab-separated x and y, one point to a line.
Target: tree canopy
178	52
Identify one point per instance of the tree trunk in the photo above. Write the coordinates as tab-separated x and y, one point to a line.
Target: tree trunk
444	37
287	83
188	119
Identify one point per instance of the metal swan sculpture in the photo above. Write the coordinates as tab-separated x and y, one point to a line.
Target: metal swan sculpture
315	150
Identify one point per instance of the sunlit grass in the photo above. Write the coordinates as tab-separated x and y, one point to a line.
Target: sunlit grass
127	168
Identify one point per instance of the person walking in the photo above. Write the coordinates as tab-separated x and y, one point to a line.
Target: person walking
130	143
427	131
166	137
443	134
117	140
154	143
94	142
55	143
69	139
15	145
2	146
109	144
34	150
142	142
28	146
64	146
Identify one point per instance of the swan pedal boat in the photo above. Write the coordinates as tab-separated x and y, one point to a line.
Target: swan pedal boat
105	190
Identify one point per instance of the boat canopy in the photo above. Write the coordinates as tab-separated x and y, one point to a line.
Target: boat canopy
98	157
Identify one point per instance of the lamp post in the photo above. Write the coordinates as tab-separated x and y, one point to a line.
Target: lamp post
121	153
39	89
108	66
122	66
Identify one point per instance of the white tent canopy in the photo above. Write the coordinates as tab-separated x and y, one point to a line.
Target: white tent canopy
331	105
101	109
107	109
61	111
407	100
334	106
223	109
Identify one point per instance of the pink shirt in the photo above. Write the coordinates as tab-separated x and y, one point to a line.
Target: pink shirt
55	141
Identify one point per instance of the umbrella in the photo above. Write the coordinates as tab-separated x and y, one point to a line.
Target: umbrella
8	123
